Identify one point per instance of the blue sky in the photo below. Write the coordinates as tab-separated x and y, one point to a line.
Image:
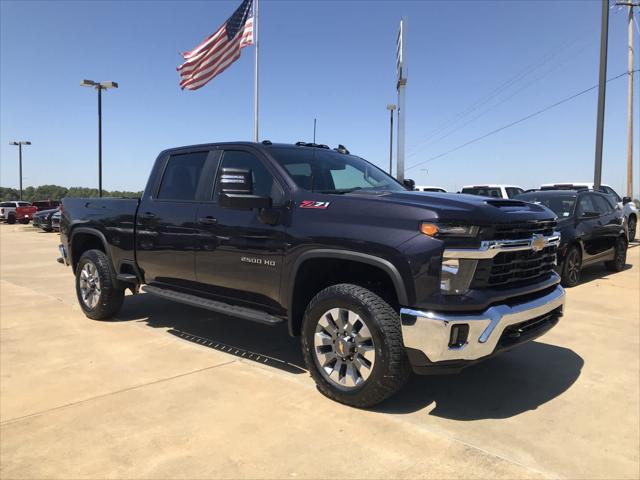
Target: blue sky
473	67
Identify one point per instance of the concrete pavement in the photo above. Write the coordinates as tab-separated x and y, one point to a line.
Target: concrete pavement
170	391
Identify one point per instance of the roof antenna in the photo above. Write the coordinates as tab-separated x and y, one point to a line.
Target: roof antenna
314	130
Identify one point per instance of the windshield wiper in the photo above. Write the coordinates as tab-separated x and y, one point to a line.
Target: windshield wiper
340	191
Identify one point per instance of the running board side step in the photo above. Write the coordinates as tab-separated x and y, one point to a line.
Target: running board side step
214	306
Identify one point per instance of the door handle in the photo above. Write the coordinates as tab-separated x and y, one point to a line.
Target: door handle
208	220
148	215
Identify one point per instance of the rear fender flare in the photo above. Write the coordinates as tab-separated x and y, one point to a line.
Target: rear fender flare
90	231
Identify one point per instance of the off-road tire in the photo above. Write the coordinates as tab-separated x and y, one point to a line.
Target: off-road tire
24	221
620	256
391	369
11	219
571	278
111	293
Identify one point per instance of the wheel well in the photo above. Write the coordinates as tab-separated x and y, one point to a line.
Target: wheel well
83	242
317	274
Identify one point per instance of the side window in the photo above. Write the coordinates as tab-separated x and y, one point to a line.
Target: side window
181	176
602	204
512	192
613	193
586	204
263	182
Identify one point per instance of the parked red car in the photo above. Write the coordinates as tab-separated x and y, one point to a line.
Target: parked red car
24	214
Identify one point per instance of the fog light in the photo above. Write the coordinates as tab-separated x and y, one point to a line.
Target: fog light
459	335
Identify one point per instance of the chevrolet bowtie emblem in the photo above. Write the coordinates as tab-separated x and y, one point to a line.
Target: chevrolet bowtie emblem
538	242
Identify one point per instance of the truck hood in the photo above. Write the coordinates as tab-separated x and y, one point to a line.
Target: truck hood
460	207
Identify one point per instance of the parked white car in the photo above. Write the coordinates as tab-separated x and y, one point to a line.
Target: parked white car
495	191
8	210
429	188
625	203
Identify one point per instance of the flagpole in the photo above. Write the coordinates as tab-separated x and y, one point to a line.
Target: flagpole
255	79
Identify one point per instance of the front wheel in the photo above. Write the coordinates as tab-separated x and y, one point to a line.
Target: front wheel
11	220
572	267
619	256
98	293
631	227
352	345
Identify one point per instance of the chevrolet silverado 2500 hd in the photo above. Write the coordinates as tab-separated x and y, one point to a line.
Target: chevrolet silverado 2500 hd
377	280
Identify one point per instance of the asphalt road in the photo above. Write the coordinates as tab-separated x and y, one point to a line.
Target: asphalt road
168	390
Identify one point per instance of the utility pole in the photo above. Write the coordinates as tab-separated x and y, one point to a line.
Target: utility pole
602	89
401	57
391	107
314	130
630	6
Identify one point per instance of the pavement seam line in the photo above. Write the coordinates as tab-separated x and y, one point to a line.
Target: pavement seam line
135	387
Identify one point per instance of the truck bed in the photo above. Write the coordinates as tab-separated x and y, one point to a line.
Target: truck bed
114	218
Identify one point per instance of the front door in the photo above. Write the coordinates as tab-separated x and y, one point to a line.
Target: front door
239	254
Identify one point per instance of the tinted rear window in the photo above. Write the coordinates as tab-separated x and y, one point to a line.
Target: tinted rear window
181	176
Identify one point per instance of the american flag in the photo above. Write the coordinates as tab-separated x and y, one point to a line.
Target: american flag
219	50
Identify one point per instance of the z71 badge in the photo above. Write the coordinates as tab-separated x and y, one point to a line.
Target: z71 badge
314	204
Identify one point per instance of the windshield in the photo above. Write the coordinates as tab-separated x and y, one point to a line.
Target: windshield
561	205
326	171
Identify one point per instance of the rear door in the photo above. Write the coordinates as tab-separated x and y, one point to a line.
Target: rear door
240	255
166	226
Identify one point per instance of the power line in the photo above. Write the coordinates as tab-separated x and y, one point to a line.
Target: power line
516	122
532	67
492	107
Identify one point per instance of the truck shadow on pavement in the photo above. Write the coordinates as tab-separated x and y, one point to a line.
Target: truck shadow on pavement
502	387
268	345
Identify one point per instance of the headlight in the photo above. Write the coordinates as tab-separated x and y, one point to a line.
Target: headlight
456	275
448	230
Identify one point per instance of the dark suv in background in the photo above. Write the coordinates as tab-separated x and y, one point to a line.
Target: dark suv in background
592	230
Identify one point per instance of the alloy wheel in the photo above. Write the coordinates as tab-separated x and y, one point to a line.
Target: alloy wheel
344	348
573	266
90	285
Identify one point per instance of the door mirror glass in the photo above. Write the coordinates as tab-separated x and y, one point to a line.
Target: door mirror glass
236	181
236	190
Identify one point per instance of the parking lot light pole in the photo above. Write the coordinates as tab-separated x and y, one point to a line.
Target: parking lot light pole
20	144
99	86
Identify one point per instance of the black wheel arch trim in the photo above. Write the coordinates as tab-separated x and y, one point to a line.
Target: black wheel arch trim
385	265
91	231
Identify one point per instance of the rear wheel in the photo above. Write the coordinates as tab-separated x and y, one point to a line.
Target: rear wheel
572	267
620	256
352	345
11	219
98	292
632	226
24	221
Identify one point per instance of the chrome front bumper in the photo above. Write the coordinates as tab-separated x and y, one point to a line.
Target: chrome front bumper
430	332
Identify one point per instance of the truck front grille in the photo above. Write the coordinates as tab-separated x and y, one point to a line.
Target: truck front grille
520	230
513	269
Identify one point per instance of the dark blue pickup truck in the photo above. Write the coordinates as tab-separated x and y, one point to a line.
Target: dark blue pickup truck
377	280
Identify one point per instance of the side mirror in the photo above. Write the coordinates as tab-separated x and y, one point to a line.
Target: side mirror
236	190
626	200
410	184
